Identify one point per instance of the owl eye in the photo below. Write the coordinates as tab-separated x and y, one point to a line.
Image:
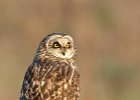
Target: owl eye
56	45
68	45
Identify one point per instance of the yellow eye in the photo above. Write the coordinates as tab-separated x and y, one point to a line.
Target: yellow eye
68	45
56	45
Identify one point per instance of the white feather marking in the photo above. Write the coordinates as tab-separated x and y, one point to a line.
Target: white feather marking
78	88
65	98
34	83
73	69
65	86
42	83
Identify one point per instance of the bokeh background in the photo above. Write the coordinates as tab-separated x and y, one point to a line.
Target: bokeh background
107	33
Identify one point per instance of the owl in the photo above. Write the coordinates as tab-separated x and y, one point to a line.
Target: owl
53	74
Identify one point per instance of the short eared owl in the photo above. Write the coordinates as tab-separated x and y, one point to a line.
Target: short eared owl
53	75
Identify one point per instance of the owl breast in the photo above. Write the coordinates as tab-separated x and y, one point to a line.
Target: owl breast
60	81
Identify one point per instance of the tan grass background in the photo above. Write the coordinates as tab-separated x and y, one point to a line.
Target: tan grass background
107	33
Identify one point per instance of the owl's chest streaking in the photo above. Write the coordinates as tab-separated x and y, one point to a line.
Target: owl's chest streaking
55	81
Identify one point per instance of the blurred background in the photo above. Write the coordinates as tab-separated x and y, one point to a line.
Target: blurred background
107	33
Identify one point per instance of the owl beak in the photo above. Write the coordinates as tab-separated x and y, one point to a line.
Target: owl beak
63	51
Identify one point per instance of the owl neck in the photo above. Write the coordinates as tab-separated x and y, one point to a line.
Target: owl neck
46	56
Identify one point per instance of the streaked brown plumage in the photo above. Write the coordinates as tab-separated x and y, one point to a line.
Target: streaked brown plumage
53	75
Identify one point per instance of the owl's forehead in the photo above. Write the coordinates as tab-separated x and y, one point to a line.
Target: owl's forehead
63	40
60	39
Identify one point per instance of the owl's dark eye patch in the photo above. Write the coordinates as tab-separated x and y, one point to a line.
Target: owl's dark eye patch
56	45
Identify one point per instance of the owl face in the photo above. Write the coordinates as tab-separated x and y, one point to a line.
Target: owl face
61	46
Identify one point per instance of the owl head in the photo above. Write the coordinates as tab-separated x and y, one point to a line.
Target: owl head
60	45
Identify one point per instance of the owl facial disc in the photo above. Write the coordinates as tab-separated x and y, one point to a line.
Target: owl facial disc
61	46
